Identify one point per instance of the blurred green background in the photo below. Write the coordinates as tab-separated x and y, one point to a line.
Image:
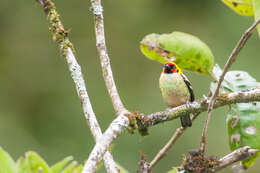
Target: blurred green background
39	108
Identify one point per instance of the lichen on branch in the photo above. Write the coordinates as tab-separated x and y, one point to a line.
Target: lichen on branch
59	34
196	107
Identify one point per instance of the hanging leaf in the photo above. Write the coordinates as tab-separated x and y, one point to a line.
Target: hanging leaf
256	5
243	120
186	50
242	7
37	164
61	165
7	164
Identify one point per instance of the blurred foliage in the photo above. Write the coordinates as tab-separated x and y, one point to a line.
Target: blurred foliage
242	7
33	163
39	108
245	8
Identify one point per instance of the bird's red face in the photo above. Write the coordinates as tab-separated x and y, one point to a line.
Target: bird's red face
170	67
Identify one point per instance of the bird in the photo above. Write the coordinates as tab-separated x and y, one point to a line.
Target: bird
176	89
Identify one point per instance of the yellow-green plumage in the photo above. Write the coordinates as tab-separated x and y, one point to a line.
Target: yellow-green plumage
174	90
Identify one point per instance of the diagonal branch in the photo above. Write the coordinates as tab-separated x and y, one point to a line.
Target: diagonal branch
61	38
229	62
178	132
237	155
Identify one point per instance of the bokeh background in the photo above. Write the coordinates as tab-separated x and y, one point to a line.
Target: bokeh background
39	107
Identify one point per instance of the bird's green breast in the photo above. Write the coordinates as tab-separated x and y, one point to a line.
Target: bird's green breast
174	90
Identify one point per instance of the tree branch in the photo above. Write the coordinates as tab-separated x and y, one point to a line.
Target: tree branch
61	37
121	122
143	165
97	10
238	169
199	106
237	155
230	61
246	96
178	132
102	145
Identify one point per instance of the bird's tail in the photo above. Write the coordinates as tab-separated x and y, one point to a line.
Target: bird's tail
186	121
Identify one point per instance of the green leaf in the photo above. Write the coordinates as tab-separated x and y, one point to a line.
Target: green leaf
242	7
69	169
175	170
23	166
243	120
7	164
60	165
78	169
186	50
256	5
37	163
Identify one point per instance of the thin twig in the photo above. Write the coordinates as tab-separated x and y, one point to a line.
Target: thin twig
237	155
66	48
169	144
229	62
97	10
178	132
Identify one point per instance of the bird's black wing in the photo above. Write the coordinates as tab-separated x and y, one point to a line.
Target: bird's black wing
187	82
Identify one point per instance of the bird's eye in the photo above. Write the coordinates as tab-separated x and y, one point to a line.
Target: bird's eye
173	66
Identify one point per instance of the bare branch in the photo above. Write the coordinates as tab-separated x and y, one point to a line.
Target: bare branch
143	165
102	145
199	106
230	61
97	10
121	122
169	144
67	51
178	132
238	169
237	155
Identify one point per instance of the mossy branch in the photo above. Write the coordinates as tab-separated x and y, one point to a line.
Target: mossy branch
60	35
196	107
